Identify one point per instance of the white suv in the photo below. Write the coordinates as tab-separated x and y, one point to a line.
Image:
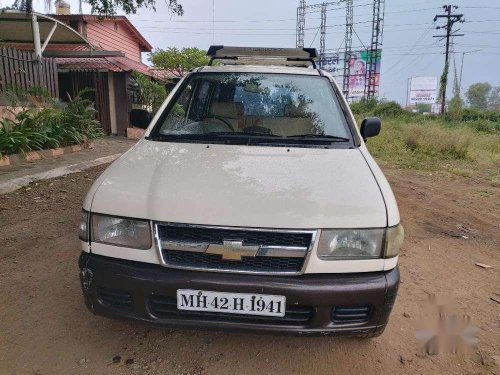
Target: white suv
250	204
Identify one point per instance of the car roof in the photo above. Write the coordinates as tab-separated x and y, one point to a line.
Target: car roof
258	69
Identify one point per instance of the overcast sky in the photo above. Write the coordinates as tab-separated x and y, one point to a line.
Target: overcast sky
408	46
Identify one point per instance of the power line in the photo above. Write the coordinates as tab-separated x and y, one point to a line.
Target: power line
315	35
210	21
210	29
290	19
419	39
486	7
188	29
480	45
340	8
494	32
420	56
217	33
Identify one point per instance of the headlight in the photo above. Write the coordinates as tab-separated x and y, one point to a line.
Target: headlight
120	231
394	240
83	229
351	244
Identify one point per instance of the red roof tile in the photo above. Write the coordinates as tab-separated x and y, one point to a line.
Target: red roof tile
50	47
113	64
80	63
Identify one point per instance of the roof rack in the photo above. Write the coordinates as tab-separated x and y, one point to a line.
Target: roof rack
263	56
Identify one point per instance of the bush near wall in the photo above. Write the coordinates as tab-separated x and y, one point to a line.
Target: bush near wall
44	123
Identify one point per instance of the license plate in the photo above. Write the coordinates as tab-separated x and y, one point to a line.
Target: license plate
232	303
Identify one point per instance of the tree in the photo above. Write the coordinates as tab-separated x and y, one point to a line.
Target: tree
151	93
178	61
443	81
477	95
111	8
456	102
494	98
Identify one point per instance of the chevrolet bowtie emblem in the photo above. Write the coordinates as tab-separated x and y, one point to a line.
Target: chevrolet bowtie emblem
233	250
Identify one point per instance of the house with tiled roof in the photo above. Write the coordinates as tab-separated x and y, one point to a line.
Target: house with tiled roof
103	59
109	73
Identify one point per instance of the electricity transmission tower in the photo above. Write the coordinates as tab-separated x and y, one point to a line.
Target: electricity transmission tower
371	83
451	19
301	20
322	30
349	17
301	23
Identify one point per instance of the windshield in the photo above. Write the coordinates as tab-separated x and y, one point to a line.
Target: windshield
259	105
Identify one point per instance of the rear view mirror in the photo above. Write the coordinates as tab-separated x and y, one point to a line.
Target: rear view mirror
139	118
370	127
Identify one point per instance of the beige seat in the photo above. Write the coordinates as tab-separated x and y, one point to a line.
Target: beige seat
295	121
233	112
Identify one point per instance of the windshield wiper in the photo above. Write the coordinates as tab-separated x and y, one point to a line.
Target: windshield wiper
326	137
241	134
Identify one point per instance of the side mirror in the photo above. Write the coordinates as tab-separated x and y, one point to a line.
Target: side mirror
370	127
139	118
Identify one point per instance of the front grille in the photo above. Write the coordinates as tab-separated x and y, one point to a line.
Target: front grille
212	261
188	233
351	314
117	299
173	238
166	308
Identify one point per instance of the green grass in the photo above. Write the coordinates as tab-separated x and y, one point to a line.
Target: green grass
433	144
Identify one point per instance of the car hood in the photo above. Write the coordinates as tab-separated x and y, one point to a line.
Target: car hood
248	186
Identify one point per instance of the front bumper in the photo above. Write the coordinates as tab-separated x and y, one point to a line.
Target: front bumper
120	288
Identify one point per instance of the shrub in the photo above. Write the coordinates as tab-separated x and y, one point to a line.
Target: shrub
436	142
474	114
388	109
364	106
485	126
423	107
55	125
373	107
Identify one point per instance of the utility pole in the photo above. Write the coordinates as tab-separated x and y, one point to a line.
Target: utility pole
451	19
462	65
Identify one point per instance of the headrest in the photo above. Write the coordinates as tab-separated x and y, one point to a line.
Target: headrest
228	109
292	111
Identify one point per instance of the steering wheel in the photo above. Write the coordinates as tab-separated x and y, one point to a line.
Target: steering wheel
223	120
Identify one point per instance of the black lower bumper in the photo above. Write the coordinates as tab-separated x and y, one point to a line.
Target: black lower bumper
317	304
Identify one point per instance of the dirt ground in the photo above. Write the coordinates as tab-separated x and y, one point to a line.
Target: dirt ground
451	224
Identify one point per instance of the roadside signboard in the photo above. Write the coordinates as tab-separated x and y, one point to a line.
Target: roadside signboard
423	90
358	65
